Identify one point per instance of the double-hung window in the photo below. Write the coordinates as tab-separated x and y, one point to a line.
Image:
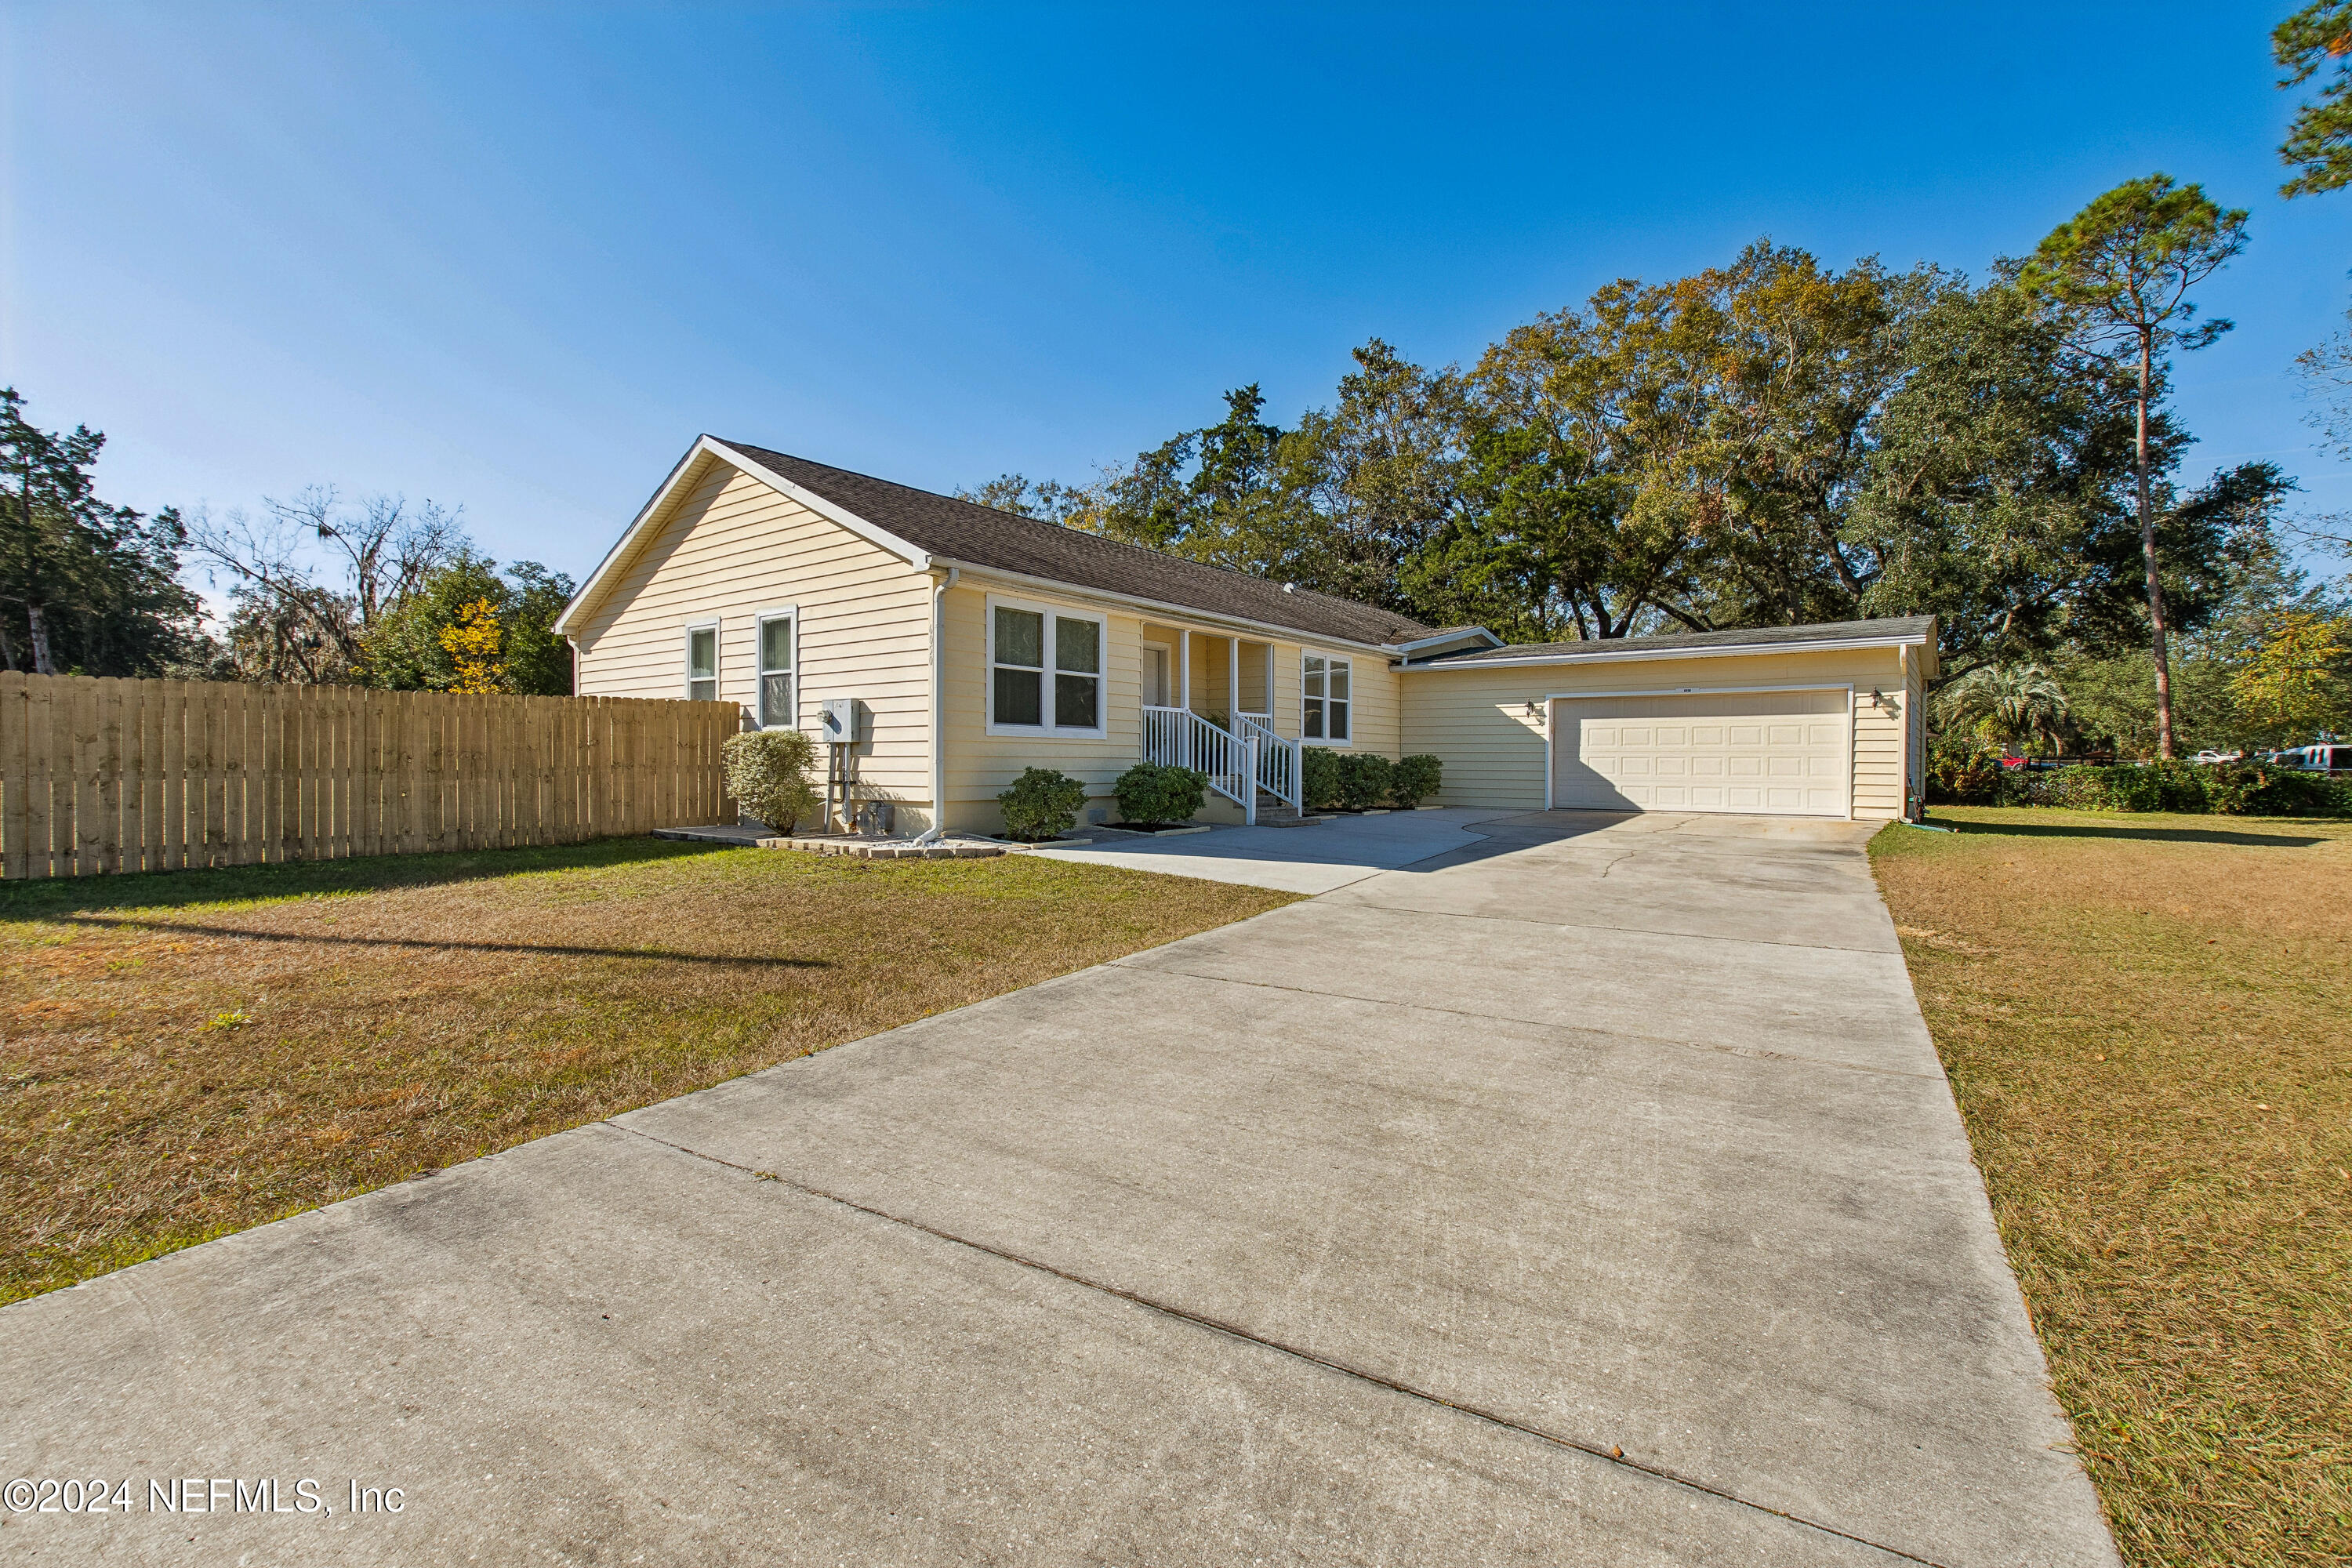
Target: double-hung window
1045	670
776	709
702	663
1328	697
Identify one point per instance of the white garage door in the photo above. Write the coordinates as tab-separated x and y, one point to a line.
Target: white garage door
1784	752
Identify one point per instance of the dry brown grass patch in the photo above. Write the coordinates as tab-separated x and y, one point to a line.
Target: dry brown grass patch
2148	1022
188	1055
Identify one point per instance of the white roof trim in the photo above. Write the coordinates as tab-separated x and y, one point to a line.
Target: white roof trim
1174	611
1824	645
705	445
1463	634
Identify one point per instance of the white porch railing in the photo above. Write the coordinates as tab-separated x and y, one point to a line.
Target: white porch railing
1178	737
1279	761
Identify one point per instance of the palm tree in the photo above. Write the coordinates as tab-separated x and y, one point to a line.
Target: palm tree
2007	703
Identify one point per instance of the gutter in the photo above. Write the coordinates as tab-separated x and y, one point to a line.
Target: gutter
939	587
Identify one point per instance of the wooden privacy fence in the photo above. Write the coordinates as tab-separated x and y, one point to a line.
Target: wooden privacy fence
153	775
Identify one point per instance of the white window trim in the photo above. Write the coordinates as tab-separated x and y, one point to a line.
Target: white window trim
1328	660
760	666
718	658
1049	731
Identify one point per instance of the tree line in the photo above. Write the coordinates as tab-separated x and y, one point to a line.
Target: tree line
376	592
1772	442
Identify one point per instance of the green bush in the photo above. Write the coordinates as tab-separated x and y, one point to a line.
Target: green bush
2259	789
1416	778
1041	803
1149	792
768	774
2229	789
1364	780
1318	778
1962	771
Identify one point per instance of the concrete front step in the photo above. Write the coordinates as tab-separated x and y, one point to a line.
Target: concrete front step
1272	811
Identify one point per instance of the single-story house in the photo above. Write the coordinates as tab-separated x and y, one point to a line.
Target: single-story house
976	643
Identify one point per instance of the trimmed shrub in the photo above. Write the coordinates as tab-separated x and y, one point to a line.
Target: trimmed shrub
768	774
1318	780
1364	780
1041	803
1416	778
1153	793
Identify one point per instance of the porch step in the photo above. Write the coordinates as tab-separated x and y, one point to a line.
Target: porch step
1272	811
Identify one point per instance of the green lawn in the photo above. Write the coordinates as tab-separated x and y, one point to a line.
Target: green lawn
193	1053
2148	1022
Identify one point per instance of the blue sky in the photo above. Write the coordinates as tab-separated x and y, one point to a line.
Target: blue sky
515	258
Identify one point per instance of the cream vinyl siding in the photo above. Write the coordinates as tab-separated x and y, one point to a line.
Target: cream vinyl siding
1488	725
1914	723
731	547
980	765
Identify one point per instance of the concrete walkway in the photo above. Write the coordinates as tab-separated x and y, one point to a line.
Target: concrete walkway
1589	1194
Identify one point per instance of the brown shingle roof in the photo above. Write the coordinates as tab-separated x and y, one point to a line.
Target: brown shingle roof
974	536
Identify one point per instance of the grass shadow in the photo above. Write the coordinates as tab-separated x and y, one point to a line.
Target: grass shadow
50	897
443	944
2155	835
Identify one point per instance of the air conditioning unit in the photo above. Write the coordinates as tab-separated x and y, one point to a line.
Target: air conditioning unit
838	723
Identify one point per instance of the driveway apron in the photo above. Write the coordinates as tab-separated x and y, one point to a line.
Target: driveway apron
1589	1193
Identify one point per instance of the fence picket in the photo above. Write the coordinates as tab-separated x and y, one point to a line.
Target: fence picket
15	786
41	778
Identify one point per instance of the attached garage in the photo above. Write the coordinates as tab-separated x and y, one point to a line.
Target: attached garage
1821	720
1774	752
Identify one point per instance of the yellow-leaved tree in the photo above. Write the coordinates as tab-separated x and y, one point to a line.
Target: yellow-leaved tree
2300	683
474	644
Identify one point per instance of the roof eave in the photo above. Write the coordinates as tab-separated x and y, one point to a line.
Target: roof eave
1405	650
1824	645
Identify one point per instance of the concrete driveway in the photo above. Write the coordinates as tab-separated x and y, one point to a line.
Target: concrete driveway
1311	858
1588	1193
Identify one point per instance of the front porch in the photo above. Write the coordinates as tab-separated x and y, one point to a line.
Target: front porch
1208	702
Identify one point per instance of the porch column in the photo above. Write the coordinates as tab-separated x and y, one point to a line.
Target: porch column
1234	682
1184	724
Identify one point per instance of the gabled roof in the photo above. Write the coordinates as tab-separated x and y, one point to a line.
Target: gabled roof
970	534
1885	632
936	530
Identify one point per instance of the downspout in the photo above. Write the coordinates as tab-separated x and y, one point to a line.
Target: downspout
938	705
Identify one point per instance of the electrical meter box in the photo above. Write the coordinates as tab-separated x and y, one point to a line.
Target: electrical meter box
839	723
